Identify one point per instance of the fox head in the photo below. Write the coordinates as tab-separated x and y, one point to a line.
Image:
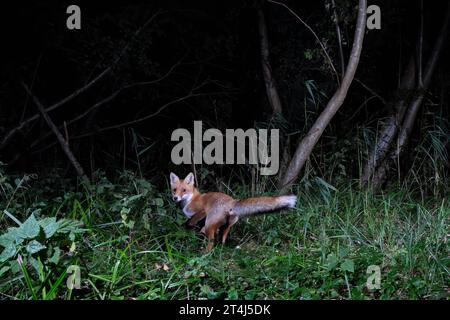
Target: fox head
182	189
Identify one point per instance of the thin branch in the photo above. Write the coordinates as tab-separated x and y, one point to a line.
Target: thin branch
77	92
63	142
84	135
339	37
315	36
370	90
164	76
163	107
105	101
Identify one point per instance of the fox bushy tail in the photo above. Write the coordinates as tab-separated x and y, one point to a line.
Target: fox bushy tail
251	206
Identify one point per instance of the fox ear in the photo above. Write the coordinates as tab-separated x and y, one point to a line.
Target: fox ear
173	178
189	178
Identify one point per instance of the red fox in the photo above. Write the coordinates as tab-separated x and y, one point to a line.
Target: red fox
219	208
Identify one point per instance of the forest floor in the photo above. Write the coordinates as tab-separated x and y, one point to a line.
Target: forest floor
132	245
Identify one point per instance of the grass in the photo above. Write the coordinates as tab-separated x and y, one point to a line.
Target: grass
136	247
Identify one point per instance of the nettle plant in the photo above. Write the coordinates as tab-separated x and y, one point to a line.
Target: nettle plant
134	198
37	244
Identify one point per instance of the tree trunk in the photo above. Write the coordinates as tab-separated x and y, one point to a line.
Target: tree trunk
269	81
411	113
390	128
306	146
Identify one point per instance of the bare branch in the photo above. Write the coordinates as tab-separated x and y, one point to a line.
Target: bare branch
376	95
58	104
77	92
160	109
63	142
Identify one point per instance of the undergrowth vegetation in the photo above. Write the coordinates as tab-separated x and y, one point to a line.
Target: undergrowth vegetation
126	240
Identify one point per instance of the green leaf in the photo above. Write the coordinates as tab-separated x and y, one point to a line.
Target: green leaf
343	252
50	226
135	197
66	225
233	294
159	202
55	257
37	265
14	265
30	228
146	221
8	253
34	247
331	261
3	270
348	265
13	236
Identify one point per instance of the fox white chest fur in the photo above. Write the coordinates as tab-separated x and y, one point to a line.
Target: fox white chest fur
186	210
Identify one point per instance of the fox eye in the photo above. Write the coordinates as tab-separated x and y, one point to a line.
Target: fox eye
174	189
184	190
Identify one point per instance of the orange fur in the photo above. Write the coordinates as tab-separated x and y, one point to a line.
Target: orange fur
220	209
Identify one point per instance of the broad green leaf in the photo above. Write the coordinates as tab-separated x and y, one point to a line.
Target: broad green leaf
50	226
34	247
331	261
51	229
15	266
55	257
8	252
348	265
30	228
343	252
9	237
3	270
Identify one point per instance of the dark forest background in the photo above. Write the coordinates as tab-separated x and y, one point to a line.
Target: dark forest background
200	60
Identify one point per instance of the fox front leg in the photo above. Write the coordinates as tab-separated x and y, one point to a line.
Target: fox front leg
192	222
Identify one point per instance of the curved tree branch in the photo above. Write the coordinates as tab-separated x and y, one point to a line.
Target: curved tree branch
306	146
